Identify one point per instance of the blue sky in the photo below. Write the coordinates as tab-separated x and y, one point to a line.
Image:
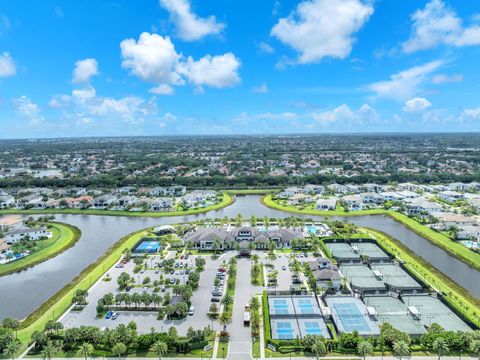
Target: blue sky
174	67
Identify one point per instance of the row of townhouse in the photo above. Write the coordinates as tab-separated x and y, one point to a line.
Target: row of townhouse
119	199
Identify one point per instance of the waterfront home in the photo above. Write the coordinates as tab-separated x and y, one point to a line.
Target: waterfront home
326	204
420	206
161	204
33	234
6	201
352	202
104	201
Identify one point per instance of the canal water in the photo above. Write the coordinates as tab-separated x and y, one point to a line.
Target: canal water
23	292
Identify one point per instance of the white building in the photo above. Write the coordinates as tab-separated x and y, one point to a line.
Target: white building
30	233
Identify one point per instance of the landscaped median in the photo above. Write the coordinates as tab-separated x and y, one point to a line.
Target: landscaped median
59	303
227	200
64	236
455	249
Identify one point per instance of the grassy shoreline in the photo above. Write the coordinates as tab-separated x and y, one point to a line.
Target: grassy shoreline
67	236
453	248
226	201
56	306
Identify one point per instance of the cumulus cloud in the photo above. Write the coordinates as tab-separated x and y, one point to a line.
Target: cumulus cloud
436	24
153	58
261	89
84	104
7	66
265	48
405	84
445	79
323	28
365	114
217	71
416	105
29	110
84	70
190	27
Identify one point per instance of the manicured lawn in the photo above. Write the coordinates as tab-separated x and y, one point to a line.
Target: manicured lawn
61	301
63	237
249	191
455	249
226	200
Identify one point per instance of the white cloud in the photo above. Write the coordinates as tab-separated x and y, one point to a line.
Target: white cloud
216	71
405	84
190	27
162	89
265	48
86	104
365	114
261	89
4	24
154	59
436	24
473	114
84	70
277	116
416	105
7	66
29	110
445	79
323	28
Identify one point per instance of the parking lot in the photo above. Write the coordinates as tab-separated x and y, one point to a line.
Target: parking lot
147	320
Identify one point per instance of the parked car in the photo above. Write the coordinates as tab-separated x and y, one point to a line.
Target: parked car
191	310
109	315
115	316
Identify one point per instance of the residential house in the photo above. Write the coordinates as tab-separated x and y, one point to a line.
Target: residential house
450	196
33	234
352	202
326	204
420	206
161	204
104	201
6	201
313	189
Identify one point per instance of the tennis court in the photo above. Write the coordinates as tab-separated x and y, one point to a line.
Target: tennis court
432	310
396	278
372	251
350	314
313	327
147	247
393	311
281	306
285	329
306	306
343	252
362	278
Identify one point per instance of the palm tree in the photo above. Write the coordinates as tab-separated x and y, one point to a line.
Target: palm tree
227	300
48	351
319	348
119	349
440	346
224	319
475	347
160	348
12	348
86	350
401	348
364	348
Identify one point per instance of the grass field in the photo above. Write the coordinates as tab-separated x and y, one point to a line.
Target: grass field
63	237
61	301
226	200
455	249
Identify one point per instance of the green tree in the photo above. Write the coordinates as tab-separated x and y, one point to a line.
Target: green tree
401	348
86	350
224	319
12	348
364	348
160	348
440	346
319	348
475	347
49	351
119	349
